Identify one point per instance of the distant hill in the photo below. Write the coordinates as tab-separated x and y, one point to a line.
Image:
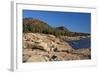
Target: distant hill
37	26
62	28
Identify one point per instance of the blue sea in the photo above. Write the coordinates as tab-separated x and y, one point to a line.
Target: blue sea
82	43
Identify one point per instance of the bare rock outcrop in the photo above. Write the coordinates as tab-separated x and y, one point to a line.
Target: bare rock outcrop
39	47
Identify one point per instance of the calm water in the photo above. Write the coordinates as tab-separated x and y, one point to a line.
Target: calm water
79	44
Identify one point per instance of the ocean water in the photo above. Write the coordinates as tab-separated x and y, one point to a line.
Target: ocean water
79	44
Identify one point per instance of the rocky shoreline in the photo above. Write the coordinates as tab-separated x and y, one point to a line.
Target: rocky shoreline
73	38
44	47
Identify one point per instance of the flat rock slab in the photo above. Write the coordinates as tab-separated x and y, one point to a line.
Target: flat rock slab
37	58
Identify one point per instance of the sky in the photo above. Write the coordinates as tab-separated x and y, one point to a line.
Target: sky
74	21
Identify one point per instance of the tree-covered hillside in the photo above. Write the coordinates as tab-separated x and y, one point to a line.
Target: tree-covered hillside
38	26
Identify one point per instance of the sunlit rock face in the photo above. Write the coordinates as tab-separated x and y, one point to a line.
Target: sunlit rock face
45	47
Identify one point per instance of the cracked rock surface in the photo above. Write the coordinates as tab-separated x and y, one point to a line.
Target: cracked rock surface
43	48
